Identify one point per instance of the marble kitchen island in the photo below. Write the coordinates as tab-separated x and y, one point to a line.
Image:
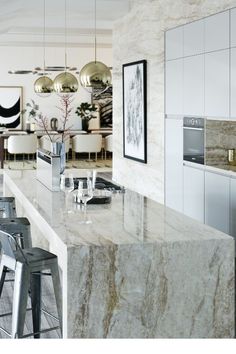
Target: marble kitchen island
139	270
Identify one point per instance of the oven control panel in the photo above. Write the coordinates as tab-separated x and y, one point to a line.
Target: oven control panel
193	122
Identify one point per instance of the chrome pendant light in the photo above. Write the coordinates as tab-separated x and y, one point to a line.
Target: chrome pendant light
65	82
95	75
43	86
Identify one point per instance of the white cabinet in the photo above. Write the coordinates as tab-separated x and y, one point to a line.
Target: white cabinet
233	207
174	42
233	27
217	84
194	38
217	201
174	164
233	84
217	32
194	193
174	86
194	85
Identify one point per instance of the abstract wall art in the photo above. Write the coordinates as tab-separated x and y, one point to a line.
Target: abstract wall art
10	107
134	111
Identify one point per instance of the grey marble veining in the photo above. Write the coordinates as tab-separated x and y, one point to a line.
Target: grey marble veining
220	136
139	270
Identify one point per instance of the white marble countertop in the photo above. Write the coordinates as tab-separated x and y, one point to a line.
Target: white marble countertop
139	270
129	219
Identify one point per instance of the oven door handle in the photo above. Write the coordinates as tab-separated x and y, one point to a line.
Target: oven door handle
192	128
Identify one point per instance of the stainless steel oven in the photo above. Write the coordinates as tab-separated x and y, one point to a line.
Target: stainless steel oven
194	146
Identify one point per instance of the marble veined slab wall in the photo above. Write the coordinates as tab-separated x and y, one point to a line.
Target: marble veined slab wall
140	35
220	136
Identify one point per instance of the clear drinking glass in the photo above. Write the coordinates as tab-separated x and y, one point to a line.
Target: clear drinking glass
67	186
85	193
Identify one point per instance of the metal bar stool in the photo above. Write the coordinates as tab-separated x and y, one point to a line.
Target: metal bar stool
19	228
7	207
27	265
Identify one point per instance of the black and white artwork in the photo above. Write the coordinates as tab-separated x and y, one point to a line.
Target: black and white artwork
134	111
10	107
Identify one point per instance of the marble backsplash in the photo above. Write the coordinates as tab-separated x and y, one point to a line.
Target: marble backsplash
220	137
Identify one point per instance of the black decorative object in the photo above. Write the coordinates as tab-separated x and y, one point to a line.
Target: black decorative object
134	111
10	106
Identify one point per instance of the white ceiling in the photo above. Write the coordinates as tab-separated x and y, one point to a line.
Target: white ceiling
21	22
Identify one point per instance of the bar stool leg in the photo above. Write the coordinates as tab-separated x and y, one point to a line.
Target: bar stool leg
2	277
57	291
20	296
36	302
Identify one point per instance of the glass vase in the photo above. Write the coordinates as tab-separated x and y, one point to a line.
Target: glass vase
58	148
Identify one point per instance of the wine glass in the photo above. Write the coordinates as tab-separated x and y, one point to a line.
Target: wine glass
85	193
67	186
67	183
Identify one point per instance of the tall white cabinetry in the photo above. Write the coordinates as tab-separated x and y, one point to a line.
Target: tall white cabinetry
194	38
233	207
174	87
217	32
174	164
193	92
174	43
217	84
207	87
194	193
233	83
217	201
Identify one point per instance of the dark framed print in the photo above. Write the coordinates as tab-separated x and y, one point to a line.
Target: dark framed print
11	107
135	110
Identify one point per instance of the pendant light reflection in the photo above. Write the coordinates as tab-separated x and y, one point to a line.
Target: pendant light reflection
95	74
43	86
65	82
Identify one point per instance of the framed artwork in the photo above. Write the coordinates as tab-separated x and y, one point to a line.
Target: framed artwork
134	111
104	102
10	107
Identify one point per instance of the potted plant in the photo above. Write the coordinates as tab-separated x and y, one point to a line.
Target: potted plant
86	111
33	110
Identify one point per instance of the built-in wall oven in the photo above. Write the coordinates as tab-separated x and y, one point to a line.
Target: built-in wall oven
194	147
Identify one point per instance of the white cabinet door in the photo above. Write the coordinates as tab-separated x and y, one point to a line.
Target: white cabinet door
174	43
217	201
174	164
194	193
233	84
194	38
194	85
174	86
233	27
217	32
233	207
217	84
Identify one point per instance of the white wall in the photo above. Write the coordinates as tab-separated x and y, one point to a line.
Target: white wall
140	35
29	58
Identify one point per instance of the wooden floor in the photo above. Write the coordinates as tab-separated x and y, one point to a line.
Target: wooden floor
48	299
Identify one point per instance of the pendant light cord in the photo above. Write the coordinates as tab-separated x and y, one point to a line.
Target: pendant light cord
44	25
65	37
95	31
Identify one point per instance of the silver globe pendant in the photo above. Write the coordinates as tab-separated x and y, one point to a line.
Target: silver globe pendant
65	83
95	75
43	86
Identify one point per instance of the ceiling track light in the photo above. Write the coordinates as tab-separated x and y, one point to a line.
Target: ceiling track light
65	82
43	86
95	75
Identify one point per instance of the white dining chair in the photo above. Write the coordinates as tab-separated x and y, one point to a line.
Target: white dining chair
22	144
89	143
108	144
